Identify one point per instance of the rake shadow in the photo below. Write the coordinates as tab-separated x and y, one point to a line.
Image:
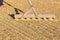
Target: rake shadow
12	15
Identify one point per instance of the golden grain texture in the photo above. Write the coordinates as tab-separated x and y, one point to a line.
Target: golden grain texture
11	29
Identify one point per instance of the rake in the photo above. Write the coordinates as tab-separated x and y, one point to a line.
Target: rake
34	15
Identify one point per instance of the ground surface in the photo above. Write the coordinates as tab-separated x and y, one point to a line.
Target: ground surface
11	29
